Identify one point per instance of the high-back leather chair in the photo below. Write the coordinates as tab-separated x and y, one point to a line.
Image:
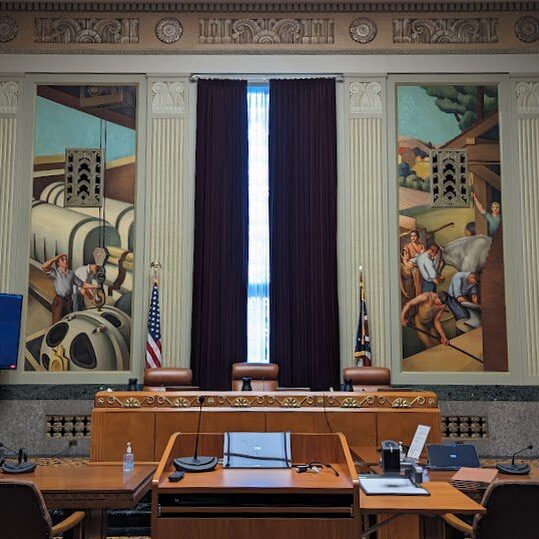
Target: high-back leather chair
264	376
368	378
161	378
23	514
511	512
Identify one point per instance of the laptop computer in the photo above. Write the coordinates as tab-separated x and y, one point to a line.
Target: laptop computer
452	457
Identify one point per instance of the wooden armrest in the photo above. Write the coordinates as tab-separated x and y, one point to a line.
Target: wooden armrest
70	522
458	524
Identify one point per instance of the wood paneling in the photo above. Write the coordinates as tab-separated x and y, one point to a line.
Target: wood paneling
401	425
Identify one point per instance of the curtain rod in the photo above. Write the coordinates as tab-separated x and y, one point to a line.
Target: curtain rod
258	77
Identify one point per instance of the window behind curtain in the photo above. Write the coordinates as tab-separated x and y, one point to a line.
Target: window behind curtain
258	287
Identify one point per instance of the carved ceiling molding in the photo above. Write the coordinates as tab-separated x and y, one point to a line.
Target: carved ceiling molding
363	30
446	31
217	31
527	95
365	98
8	29
527	29
271	7
86	30
169	30
168	98
9	97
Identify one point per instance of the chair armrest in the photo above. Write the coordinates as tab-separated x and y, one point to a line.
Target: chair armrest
457	523
70	522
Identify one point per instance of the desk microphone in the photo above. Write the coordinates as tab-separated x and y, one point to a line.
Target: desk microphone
196	463
23	465
515	469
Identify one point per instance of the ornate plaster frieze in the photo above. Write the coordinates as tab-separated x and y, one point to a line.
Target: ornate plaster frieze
527	29
527	96
168	98
446	31
365	98
8	29
202	6
233	400
259	31
169	30
86	30
363	30
9	95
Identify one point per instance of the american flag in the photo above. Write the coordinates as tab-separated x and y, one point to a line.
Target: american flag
153	344
362	352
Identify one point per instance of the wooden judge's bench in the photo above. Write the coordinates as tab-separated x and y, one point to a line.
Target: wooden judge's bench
148	419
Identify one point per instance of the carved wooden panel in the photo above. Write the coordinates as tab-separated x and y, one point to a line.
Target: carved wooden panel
84	177
449	179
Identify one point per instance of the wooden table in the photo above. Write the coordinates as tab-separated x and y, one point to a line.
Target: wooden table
413	511
93	488
258	503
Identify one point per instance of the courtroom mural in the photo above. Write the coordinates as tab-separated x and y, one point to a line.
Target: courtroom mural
452	308
81	261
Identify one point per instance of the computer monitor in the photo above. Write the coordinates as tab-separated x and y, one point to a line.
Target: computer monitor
10	329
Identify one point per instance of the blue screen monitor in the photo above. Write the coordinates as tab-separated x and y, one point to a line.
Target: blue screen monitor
10	329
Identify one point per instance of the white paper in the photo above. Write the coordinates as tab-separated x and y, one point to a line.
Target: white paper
420	437
390	485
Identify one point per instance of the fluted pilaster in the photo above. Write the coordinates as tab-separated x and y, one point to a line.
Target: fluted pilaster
365	218
9	96
526	96
170	213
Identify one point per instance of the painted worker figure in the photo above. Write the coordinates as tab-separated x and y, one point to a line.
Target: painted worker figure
428	263
64	279
463	292
424	313
412	249
86	275
493	217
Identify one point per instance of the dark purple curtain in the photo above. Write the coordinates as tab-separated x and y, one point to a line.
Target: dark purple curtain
304	320
219	323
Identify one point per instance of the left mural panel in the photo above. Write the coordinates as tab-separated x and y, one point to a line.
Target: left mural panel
83	201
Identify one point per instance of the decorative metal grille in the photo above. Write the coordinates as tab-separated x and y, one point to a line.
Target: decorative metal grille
84	177
68	426
464	427
449	179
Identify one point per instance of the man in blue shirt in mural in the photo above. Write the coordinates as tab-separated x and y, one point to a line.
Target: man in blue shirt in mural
428	264
493	217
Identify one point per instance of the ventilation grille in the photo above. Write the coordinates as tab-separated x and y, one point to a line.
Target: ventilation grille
68	426
464	426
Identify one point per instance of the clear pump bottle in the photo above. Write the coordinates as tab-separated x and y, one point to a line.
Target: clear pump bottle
129	458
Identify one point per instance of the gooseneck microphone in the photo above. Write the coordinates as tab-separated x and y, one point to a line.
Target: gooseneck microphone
515	469
23	465
196	463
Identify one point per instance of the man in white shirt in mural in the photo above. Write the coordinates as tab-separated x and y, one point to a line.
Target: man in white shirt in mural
86	275
428	263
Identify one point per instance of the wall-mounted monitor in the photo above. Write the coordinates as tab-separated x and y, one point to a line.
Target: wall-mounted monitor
10	329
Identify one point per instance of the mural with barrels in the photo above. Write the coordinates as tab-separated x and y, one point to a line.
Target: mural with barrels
81	262
452	289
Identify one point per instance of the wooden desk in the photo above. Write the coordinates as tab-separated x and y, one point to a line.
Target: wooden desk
148	419
262	503
92	488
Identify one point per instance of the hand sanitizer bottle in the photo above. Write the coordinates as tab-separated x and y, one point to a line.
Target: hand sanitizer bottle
129	459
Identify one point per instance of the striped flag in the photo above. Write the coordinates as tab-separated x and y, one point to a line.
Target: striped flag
153	344
362	352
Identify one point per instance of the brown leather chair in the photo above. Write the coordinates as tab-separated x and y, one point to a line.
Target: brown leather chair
368	378
264	376
160	379
23	514
511	512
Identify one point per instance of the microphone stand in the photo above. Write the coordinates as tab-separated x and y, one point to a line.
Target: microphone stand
196	463
515	469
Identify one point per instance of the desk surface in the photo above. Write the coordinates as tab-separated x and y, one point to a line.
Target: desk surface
262	481
443	498
91	486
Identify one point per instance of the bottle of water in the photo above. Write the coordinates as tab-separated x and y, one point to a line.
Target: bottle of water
129	458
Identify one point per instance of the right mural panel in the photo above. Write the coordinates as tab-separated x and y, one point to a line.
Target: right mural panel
452	290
